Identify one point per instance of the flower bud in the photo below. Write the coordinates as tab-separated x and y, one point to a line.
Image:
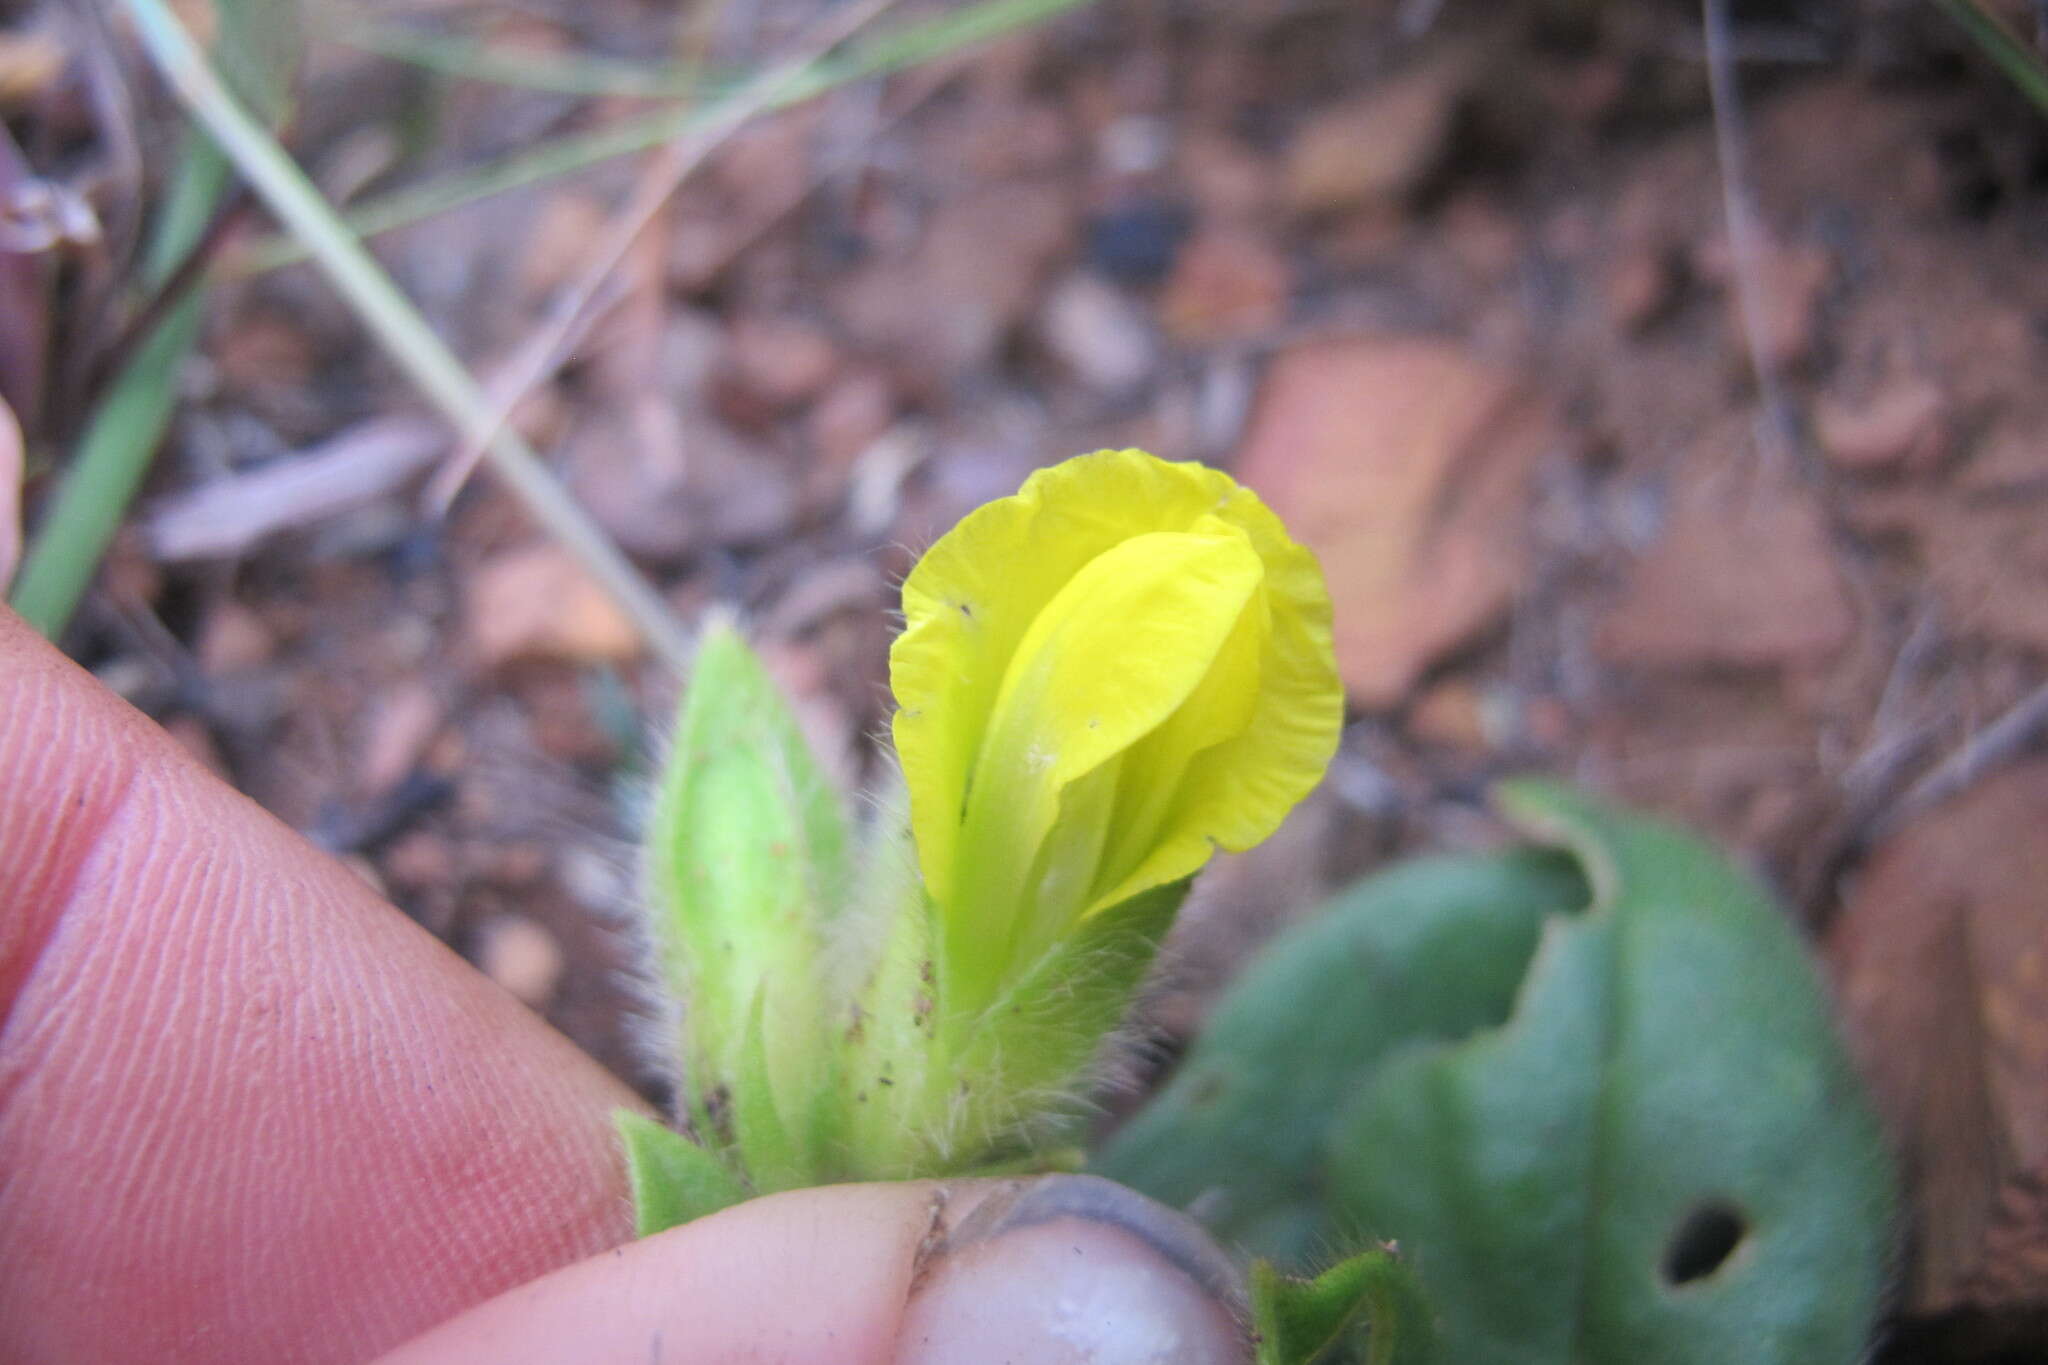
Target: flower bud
1101	681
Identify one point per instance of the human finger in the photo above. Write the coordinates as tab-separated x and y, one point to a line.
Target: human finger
248	1111
1063	1270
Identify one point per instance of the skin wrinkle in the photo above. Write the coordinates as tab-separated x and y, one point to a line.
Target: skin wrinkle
141	1075
47	861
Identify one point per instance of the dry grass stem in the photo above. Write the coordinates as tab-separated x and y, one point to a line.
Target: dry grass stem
571	311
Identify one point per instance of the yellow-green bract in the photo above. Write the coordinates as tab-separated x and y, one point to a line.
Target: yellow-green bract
1102	680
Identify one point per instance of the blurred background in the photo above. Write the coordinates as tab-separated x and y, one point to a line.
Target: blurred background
1661	386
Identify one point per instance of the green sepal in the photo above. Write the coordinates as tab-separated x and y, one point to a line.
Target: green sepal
747	853
938	1093
1037	1041
773	1152
886	1044
672	1178
1368	1305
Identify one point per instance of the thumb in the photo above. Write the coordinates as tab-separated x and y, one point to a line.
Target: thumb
1057	1270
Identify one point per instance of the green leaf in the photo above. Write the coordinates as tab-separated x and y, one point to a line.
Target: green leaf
1624	1134
1663	1155
1370	1302
748	855
673	1179
1433	950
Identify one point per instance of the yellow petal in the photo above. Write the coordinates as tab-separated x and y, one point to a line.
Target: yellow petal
1107	662
1233	795
1101	680
969	600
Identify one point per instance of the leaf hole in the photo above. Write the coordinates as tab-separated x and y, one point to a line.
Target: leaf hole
1703	1242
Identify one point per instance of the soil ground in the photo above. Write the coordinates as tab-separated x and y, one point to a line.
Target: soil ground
1747	527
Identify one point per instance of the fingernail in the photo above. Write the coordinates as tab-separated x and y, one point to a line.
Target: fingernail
1074	1270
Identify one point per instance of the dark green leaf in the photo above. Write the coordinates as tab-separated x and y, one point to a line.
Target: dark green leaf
1663	1156
1432	950
1617	1136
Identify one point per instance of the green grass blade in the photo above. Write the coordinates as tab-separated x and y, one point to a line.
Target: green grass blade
2021	65
393	320
258	50
125	430
879	56
556	73
106	470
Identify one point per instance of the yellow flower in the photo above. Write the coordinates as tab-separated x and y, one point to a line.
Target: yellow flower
1102	680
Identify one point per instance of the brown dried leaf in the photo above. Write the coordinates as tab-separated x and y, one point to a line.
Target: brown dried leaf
1226	285
1404	464
1941	957
538	601
1379	145
946	310
780	361
1743	575
1988	561
521	955
30	63
1902	424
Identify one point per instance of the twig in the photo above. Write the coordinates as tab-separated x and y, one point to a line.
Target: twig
178	284
570	312
115	123
2024	722
1745	240
393	320
229	516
